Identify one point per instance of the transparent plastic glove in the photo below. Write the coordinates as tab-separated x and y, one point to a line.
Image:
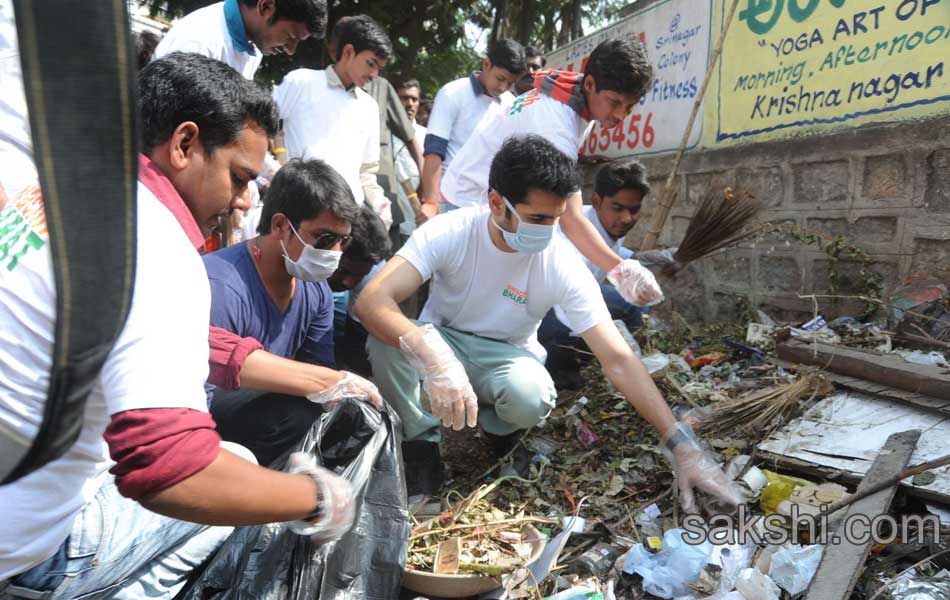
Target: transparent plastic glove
696	469
451	396
336	501
350	386
635	283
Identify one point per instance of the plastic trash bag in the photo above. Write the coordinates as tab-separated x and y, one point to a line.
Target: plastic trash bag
269	562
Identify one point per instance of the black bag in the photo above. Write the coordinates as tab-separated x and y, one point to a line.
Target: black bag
79	75
270	562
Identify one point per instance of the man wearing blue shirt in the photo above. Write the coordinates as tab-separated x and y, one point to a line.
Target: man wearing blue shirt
272	309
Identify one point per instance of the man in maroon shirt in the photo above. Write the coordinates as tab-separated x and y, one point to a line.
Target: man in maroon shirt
71	528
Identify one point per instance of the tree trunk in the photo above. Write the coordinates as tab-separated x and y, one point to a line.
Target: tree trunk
567	24
496	25
526	31
577	31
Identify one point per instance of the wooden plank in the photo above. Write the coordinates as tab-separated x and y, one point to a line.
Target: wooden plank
841	562
887	369
816	472
928	403
447	556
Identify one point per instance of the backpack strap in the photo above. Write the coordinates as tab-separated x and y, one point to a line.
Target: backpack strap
78	74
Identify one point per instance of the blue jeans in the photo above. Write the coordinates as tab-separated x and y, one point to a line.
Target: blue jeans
552	333
119	549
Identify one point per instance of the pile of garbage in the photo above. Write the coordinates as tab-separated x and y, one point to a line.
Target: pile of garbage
615	527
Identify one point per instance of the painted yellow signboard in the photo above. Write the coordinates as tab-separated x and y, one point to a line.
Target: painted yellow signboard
794	67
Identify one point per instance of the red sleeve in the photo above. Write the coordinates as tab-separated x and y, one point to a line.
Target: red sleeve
155	448
228	353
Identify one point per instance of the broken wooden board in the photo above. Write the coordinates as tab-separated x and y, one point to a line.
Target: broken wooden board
922	401
839	437
887	369
842	560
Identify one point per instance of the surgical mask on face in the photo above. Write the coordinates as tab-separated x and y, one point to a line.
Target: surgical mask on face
313	264
528	237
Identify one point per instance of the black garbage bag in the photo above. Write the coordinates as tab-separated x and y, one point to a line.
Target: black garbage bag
270	562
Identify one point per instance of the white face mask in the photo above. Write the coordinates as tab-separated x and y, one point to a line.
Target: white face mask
313	264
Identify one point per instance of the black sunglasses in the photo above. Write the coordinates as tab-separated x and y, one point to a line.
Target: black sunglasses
325	241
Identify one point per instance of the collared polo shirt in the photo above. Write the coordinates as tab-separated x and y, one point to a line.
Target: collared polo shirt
458	108
324	120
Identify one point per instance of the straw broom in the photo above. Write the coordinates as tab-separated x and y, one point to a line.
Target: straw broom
718	222
755	411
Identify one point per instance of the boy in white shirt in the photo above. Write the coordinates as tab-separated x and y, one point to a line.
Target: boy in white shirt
241	32
495	273
458	108
327	115
560	109
619	190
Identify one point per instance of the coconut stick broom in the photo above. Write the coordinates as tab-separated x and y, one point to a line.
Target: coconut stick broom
719	221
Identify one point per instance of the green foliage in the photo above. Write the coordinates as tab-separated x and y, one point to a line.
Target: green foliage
839	249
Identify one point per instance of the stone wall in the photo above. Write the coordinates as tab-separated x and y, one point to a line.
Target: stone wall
885	188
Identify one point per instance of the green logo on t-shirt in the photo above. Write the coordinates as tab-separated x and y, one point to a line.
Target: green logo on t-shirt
19	221
514	294
524	101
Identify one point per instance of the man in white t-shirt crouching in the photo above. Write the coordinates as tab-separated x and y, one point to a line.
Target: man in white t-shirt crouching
496	271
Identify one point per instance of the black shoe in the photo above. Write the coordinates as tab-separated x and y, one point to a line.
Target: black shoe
564	368
510	446
424	472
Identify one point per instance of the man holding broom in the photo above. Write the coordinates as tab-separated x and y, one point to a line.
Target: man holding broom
496	271
560	109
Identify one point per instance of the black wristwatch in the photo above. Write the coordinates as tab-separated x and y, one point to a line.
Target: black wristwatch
676	439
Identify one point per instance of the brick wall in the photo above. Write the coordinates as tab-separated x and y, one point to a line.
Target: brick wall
886	188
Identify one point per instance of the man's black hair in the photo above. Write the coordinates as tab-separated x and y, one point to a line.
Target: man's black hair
620	65
627	176
409	83
183	87
312	13
530	162
532	52
145	44
363	33
302	189
509	55
370	239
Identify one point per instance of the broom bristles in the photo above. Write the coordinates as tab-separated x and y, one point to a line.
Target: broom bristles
717	222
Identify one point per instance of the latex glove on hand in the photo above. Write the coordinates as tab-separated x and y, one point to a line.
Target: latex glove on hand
350	385
451	396
695	469
635	283
649	258
662	259
336	505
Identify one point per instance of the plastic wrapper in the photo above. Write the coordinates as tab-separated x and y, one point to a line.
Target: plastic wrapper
794	566
669	572
755	585
269	562
918	589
